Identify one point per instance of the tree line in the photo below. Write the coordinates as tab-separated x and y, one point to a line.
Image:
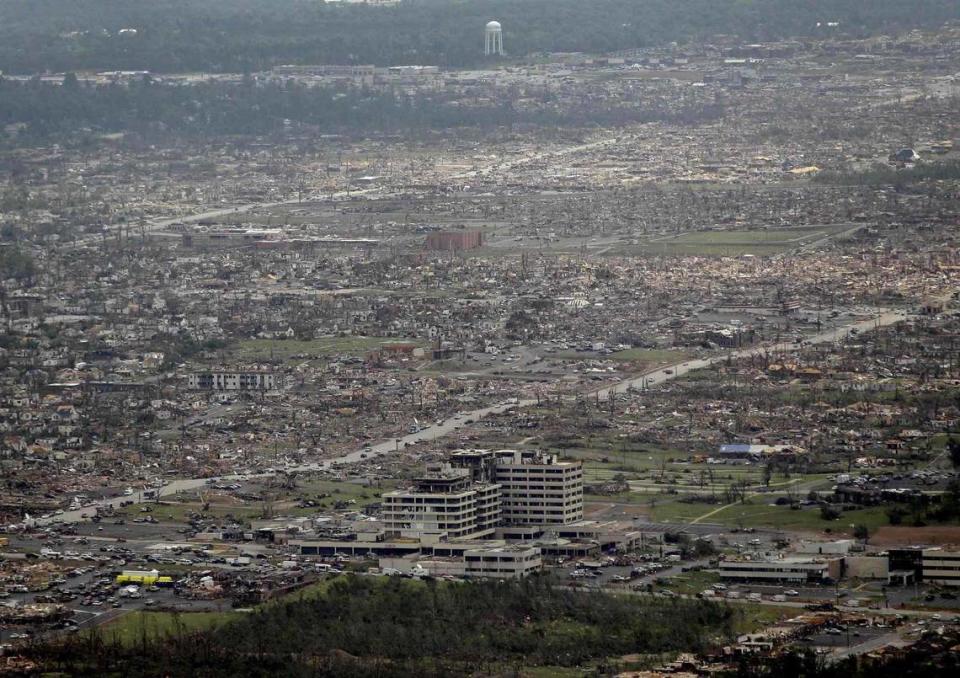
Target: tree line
393	626
252	35
76	111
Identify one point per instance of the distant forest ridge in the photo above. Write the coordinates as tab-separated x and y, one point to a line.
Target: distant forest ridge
250	35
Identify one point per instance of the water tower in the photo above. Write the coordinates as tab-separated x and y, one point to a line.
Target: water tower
493	39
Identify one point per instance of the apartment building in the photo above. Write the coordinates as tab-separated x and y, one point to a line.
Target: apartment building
941	566
445	502
235	381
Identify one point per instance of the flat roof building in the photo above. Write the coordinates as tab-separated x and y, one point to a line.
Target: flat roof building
446	502
941	566
536	488
492	559
253	380
792	570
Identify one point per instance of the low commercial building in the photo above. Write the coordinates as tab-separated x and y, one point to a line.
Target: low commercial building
786	570
941	566
483	559
610	535
328	548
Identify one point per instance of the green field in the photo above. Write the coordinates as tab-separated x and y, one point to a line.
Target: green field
735	243
134	626
341	491
692	583
326	493
285	349
179	512
766	515
752	618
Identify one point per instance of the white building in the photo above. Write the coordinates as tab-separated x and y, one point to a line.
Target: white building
446	503
941	567
538	489
503	562
235	381
793	570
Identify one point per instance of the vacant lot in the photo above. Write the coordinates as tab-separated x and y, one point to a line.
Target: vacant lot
735	243
765	515
135	626
890	535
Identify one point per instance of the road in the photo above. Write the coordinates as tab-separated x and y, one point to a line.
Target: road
453	424
893	639
669	372
484	172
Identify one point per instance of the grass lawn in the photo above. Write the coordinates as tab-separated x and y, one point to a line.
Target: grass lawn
179	512
766	515
178	508
133	626
285	349
622	456
692	583
341	491
750	618
734	243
